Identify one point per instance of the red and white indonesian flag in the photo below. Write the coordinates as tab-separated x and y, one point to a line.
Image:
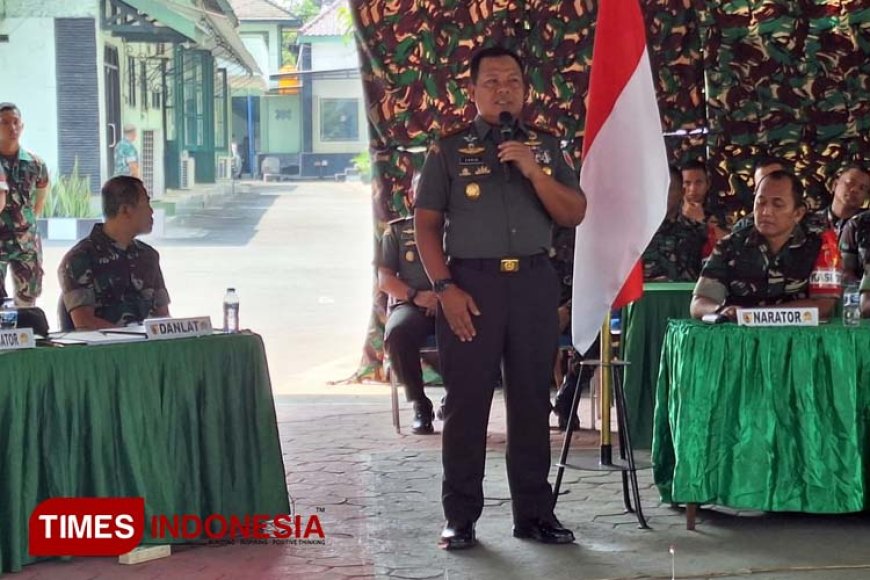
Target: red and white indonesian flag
624	174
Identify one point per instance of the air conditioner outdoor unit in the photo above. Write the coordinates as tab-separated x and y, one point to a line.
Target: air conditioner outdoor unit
225	168
188	173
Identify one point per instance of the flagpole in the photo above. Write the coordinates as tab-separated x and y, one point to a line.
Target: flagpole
604	392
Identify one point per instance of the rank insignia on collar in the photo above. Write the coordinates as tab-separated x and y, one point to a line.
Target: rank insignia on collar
472	150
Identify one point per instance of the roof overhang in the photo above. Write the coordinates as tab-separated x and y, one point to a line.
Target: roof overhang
148	21
226	43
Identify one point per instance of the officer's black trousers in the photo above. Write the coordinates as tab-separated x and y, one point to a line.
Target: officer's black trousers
518	328
406	331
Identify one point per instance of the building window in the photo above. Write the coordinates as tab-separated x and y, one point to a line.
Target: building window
194	107
131	81
339	119
220	109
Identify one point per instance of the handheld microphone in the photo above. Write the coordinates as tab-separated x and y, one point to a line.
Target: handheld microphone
506	120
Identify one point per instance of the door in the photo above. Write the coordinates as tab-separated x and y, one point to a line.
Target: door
113	104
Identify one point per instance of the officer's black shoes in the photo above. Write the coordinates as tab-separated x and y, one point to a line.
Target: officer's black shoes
457	536
545	531
421	424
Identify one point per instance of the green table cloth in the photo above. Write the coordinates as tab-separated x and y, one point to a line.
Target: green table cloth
643	332
188	424
763	418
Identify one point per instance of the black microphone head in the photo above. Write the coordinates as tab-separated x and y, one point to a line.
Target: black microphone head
505	119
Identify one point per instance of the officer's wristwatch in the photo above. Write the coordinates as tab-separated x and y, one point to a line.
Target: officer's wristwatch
411	294
439	286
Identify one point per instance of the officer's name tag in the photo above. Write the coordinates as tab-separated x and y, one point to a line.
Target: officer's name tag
778	316
164	328
16	338
826	279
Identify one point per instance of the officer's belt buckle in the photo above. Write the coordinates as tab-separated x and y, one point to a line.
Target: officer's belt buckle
509	265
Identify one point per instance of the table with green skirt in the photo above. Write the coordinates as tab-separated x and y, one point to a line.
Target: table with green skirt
643	332
772	419
188	424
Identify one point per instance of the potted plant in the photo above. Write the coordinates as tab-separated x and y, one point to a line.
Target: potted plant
68	214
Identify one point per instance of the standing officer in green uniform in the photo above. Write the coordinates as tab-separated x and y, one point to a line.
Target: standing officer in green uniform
776	262
23	189
489	195
411	317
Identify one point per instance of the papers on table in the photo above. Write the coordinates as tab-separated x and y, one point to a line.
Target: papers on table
96	337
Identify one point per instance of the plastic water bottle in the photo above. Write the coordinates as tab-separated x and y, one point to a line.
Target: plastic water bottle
851	305
231	311
8	314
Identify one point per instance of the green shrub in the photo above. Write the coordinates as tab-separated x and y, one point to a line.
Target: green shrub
70	196
363	164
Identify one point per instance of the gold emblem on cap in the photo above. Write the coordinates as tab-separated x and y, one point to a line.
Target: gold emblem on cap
409	256
472	191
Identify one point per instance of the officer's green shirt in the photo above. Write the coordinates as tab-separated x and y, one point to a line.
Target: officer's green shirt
125	154
398	252
488	215
741	270
20	176
674	253
123	285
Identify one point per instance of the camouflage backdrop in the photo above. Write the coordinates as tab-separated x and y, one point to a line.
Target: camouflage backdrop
783	77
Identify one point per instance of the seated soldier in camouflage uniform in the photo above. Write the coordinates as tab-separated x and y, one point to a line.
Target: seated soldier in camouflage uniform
412	311
851	189
771	263
110	279
763	166
696	206
855	233
674	253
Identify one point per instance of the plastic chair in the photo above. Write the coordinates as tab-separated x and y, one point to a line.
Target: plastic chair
63	318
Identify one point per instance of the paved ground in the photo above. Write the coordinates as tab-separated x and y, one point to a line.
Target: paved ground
300	257
379	496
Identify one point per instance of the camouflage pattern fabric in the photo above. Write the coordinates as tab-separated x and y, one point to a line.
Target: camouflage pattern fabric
23	256
123	286
20	247
742	268
674	254
855	246
783	78
21	176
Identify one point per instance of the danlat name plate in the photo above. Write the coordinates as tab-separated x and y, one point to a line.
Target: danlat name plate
16	338
778	316
166	328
